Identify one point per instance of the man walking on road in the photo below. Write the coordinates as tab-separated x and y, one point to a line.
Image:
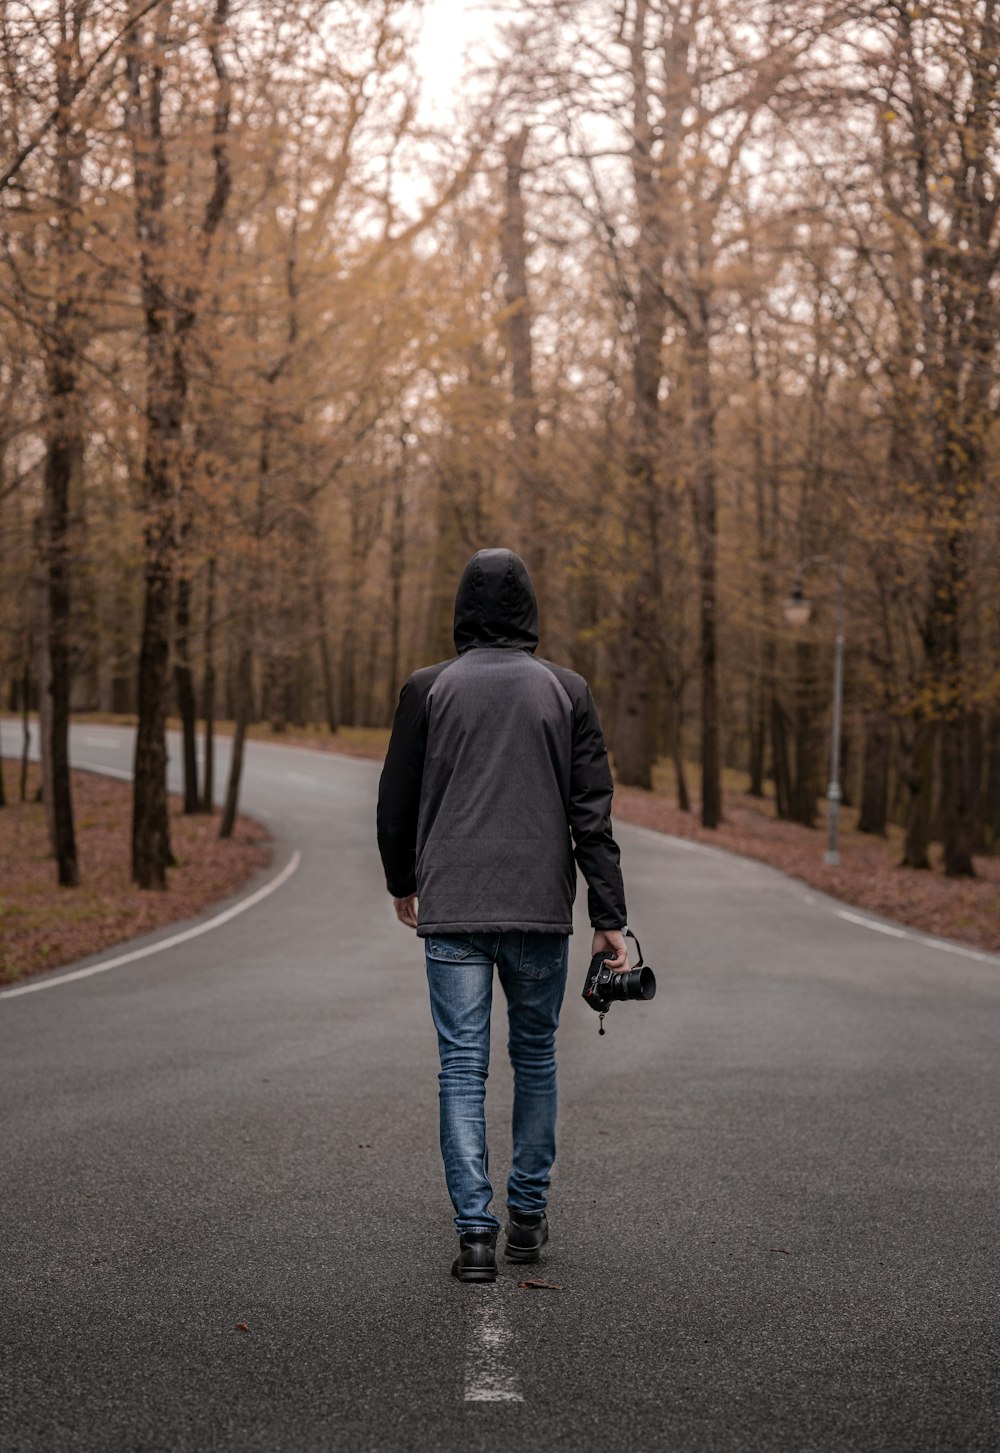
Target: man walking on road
496	776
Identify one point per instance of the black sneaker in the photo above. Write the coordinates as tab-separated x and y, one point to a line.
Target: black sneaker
526	1235
477	1256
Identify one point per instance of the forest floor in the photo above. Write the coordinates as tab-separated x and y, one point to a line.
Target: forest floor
43	925
869	875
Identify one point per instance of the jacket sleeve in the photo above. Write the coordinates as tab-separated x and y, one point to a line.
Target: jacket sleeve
590	794
399	791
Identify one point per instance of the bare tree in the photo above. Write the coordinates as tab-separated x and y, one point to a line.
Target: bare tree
170	309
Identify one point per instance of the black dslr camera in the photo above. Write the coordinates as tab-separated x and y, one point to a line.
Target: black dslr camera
603	986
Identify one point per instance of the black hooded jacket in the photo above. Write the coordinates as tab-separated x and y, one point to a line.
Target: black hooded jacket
497	774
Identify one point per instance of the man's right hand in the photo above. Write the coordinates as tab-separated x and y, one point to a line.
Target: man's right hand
611	943
406	910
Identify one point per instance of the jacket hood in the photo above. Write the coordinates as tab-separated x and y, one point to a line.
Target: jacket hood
495	604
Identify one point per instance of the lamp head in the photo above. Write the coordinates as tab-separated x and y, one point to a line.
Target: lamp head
797	609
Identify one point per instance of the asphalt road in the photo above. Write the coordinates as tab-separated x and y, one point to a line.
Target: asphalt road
775	1213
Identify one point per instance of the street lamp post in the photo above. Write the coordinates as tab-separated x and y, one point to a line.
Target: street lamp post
834	793
797	610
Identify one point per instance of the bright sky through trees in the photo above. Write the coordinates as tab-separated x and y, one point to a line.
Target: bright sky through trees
448	28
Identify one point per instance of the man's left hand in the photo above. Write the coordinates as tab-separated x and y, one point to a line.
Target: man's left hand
406	910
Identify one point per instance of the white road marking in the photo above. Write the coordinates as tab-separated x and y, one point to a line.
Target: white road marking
873	923
945	945
163	943
927	940
300	777
489	1377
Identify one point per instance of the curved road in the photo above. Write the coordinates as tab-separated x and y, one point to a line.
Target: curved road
775	1214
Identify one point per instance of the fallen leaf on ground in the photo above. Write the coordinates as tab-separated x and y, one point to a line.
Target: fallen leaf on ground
532	1284
242	1327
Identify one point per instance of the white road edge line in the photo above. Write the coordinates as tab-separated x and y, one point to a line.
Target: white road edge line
164	943
927	940
889	928
488	1377
943	944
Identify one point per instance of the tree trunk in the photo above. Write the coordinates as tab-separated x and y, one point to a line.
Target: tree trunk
675	736
63	459
170	310
703	495
765	485
44	672
944	638
780	765
65	449
208	692
846	767
633	735
397	564
166	389
875	776
524	409
326	664
991	794
25	731
186	704
151	851
634	731
975	756
277	680
758	737
244	707
919	778
348	682
958	810
807	783
294	694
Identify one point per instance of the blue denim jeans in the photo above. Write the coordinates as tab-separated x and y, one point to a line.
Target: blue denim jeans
532	969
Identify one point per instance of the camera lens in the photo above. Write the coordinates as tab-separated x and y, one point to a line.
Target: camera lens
632	984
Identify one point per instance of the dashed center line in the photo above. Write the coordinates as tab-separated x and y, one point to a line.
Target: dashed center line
489	1376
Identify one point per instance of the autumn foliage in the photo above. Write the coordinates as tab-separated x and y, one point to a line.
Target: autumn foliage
692	301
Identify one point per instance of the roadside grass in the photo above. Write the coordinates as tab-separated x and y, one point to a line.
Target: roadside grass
43	926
